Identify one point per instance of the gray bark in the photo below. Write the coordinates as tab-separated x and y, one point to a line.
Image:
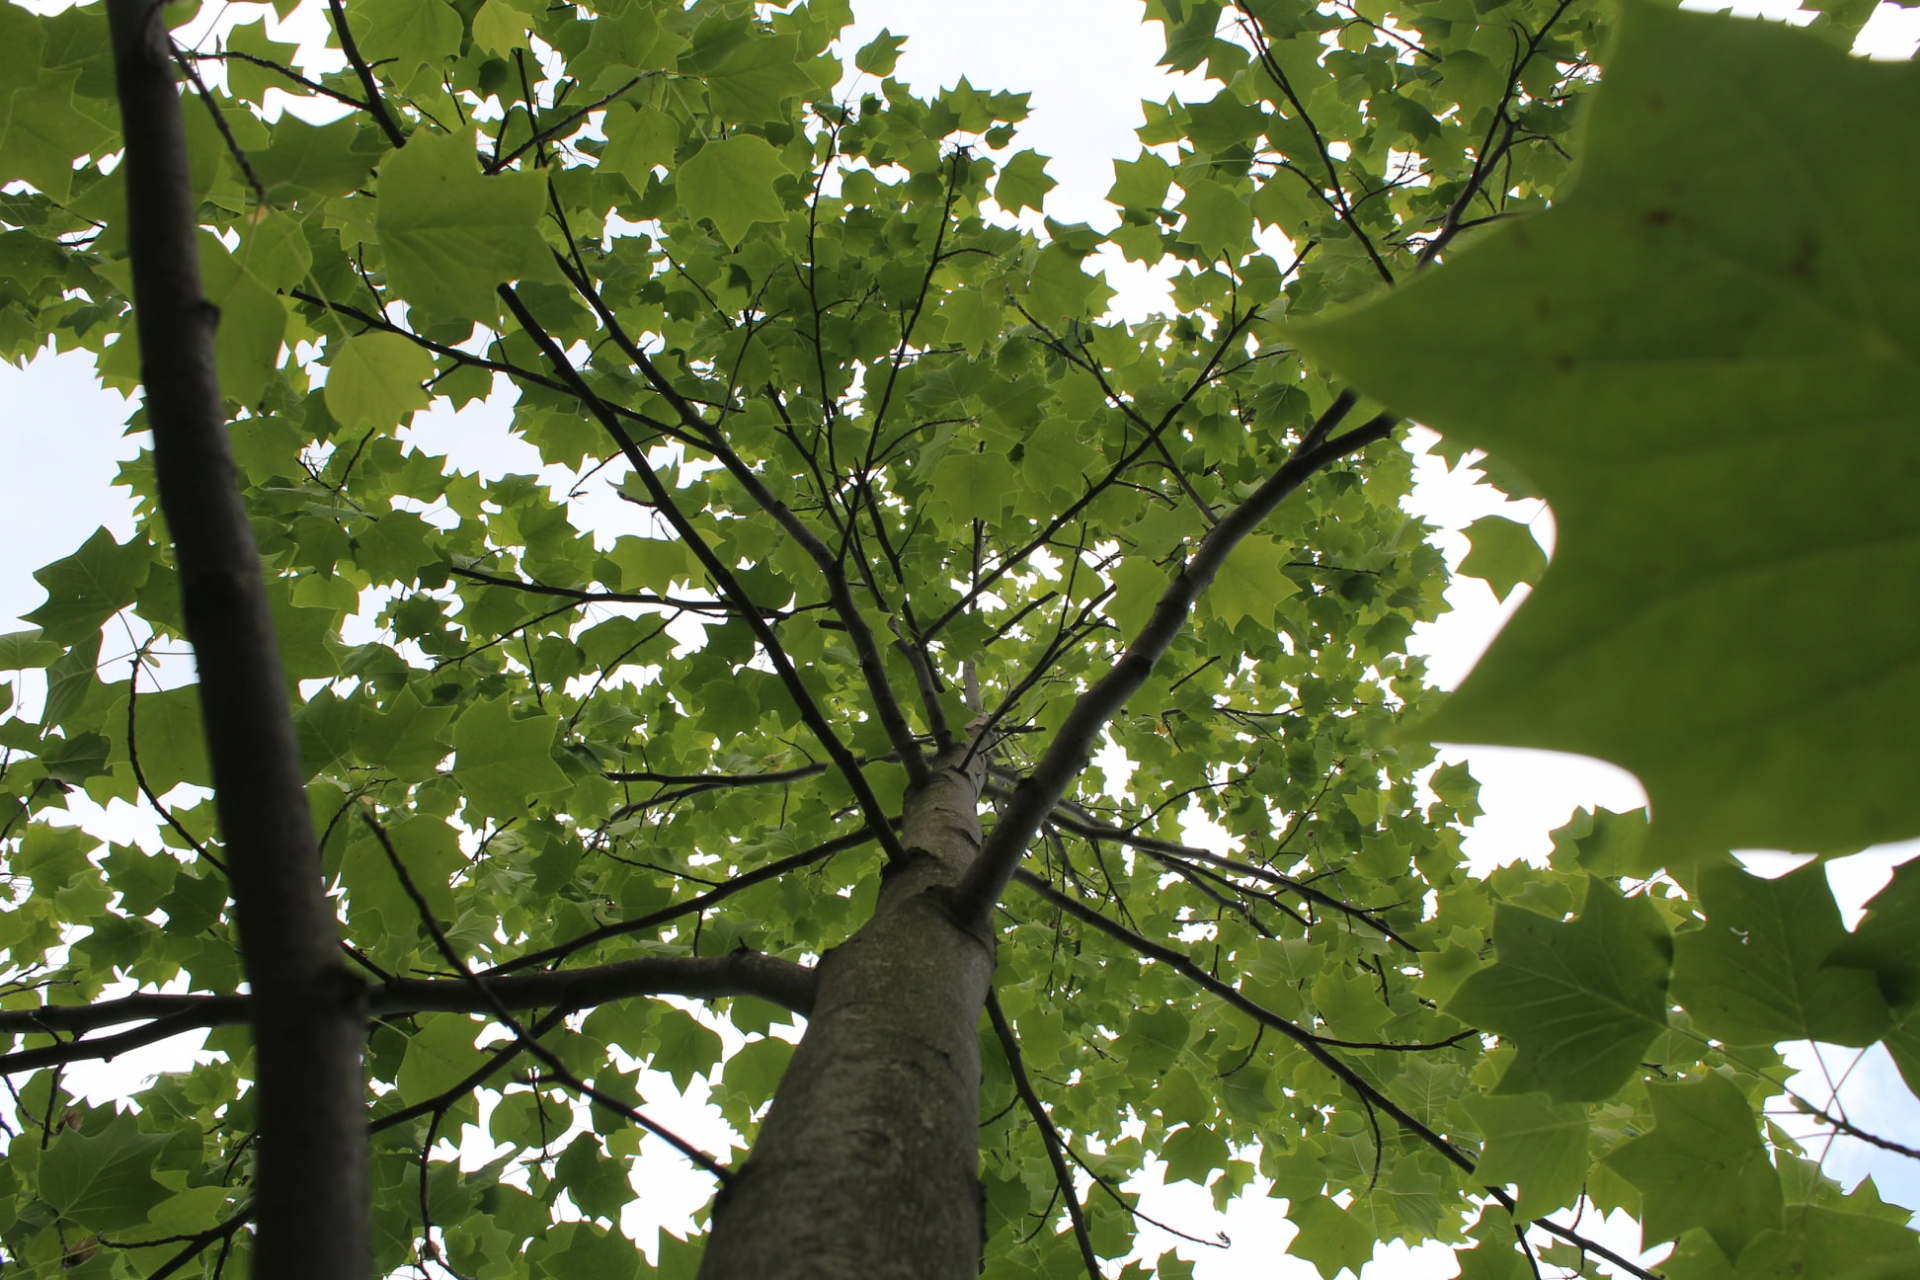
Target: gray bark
867	1164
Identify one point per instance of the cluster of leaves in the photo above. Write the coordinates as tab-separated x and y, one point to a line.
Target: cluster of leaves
889	471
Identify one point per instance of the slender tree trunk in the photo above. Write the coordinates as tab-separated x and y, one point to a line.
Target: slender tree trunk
310	1187
868	1162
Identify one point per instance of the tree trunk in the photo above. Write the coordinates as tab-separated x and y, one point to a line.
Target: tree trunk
309	1189
867	1164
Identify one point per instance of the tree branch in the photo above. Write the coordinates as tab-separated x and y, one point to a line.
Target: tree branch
1049	1136
839	594
310	1187
739	973
1068	755
1069	816
376	105
692	906
605	597
723	578
483	989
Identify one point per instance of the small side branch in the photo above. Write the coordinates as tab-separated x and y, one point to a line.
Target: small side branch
376	104
483	989
723	578
1062	1176
1068	755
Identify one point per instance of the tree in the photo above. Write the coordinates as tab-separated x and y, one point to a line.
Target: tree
915	534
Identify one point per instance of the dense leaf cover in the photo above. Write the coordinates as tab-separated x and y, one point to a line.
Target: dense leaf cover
896	491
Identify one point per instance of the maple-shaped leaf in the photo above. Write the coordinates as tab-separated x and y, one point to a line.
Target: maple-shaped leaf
375	380
438	1056
1709	373
731	181
1887	939
451	234
1753	974
103	1181
1535	1145
1023	182
1504	555
1816	1240
1704	1165
1580	1000
502	761
1331	1238
89	586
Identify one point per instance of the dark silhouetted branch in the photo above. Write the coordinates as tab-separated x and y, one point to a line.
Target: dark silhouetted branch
1068	755
1049	1136
310	1184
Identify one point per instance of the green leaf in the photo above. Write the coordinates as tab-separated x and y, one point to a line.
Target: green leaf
1817	1240
750	79
450	234
1251	584
685	1048
313	159
20	650
439	1056
639	141
374	381
1753	974
46	132
1665	366
732	182
1194	1153
1331	1238
1023	182
1581	1000
502	762
90	586
878	56
1219	221
1530	1142
1059	288
104	1181
74	760
405	738
416	33
1504	554
1887	939
170	733
1703	1165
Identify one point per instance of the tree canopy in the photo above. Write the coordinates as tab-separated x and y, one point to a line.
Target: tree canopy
913	530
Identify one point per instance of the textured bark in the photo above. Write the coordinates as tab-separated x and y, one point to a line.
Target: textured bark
868	1162
310	1188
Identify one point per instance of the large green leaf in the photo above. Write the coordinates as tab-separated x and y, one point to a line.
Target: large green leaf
1887	940
451	234
1703	1165
90	586
1754	973
731	181
1532	1143
503	762
1704	356
103	1181
1581	1000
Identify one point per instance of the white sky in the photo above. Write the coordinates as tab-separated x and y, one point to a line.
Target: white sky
1088	64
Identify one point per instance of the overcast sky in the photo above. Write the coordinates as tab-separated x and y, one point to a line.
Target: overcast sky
1088	64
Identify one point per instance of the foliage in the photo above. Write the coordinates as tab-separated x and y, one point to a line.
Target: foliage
896	484
1650	336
